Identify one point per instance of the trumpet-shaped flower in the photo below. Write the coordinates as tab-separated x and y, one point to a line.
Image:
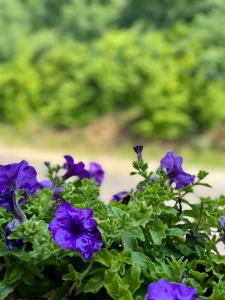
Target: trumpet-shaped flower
165	290
72	169
173	166
119	196
76	229
8	230
14	178
96	172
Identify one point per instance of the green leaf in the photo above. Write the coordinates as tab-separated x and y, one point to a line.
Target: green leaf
58	293
132	277
200	276
73	275
3	249
134	232
5	289
202	174
158	236
141	259
13	273
184	249
94	284
115	287
177	232
130	243
104	257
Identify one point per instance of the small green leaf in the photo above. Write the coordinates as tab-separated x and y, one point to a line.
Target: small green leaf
5	289
141	259
115	287
3	249
13	273
177	232
73	275
94	284
103	257
158	235
135	232
132	277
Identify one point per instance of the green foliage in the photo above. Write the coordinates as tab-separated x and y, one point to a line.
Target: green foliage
158	234
68	62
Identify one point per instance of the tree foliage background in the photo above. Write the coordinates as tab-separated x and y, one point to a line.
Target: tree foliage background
67	62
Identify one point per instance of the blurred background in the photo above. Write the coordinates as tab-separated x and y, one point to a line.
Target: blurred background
94	77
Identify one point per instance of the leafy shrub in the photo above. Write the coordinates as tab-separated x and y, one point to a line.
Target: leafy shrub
93	250
163	63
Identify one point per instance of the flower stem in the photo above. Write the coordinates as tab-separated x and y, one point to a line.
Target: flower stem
17	211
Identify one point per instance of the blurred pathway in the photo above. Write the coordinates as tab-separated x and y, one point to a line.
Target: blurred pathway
117	170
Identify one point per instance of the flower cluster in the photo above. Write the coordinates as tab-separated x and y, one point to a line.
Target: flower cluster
136	243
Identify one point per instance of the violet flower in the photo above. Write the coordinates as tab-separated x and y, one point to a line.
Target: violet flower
13	178
8	230
73	169
165	290
223	226
172	165
119	196
76	229
138	149
47	184
96	172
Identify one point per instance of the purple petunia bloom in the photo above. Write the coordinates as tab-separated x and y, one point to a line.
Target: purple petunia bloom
138	149
96	172
8	230
165	290
13	178
223	226
47	184
119	196
73	169
76	229
172	165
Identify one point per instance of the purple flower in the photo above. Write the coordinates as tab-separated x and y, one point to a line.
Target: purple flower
73	169
138	149
8	230
223	226
13	178
119	196
172	165
76	229
165	290
47	184
96	172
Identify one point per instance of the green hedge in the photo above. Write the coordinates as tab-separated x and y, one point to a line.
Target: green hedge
164	83
65	63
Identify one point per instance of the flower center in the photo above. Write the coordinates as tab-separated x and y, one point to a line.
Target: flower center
76	229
